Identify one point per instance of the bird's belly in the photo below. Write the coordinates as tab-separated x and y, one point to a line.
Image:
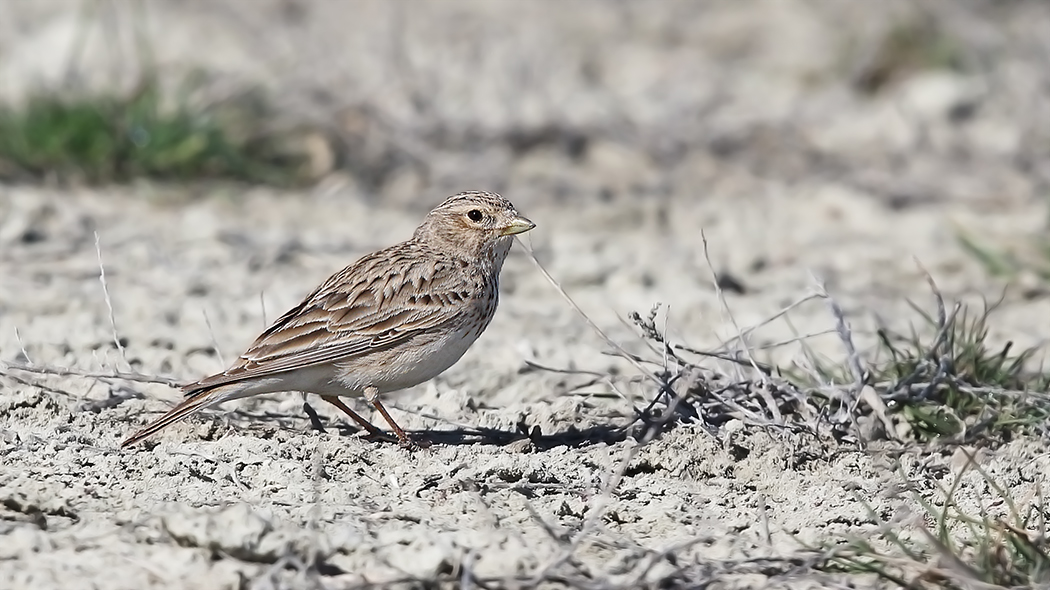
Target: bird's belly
405	366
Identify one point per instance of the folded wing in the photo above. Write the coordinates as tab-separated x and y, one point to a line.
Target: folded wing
395	295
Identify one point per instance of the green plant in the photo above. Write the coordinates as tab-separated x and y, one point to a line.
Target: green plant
957	381
919	43
944	379
101	138
1000	263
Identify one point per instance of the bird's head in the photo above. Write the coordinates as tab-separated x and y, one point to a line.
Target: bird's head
473	223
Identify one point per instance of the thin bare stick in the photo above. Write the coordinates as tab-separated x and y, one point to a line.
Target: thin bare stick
214	342
664	386
612	385
747	331
743	414
770	346
763	391
535	365
22	347
856	365
793	340
942	317
5	368
109	301
262	305
648	341
39	385
725	307
666	349
557	287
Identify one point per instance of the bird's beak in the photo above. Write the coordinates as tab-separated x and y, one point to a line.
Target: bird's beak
517	226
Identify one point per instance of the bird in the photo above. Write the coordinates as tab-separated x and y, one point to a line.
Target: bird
393	319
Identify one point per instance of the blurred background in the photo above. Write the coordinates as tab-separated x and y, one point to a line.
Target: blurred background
908	101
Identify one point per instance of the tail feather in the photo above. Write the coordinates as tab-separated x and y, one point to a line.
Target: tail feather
199	401
202	394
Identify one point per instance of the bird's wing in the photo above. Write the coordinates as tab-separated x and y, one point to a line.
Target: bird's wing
379	301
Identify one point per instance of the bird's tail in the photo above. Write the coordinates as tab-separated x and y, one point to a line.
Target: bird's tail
199	400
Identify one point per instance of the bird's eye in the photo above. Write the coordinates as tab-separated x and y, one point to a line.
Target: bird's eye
474	215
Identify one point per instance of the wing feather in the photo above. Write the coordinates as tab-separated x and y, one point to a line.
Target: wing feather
381	300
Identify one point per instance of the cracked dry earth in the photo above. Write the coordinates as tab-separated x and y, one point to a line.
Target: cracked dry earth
251	496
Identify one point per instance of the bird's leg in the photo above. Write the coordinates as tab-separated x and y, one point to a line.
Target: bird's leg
315	420
372	395
372	430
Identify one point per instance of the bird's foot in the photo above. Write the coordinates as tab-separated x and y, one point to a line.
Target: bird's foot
408	442
414	443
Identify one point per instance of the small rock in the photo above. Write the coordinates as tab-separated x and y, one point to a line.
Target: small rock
236	530
733	426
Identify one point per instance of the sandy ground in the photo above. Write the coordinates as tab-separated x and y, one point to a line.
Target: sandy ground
740	123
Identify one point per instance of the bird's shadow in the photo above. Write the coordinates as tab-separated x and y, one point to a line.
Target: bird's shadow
570	437
604	433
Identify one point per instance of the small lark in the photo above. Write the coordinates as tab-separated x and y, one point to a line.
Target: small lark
391	320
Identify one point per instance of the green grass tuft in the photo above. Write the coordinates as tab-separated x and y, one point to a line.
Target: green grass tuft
945	380
956	381
917	44
1009	265
102	139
